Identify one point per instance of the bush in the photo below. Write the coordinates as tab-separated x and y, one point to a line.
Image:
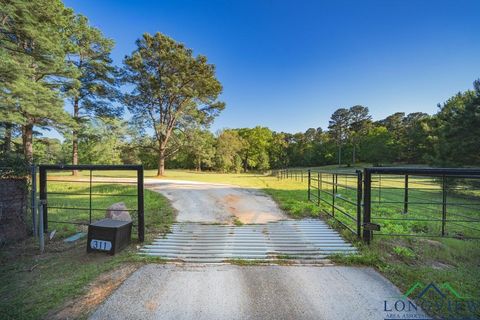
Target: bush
13	166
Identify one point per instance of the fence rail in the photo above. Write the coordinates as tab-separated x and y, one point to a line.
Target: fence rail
416	202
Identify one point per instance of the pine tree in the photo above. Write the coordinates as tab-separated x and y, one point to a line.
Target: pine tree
33	46
96	85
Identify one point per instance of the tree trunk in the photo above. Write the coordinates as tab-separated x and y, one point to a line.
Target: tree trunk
245	165
75	137
161	162
199	165
27	137
7	141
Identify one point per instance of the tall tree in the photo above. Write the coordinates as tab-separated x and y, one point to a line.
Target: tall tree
96	88
359	121
414	144
33	47
171	88
339	126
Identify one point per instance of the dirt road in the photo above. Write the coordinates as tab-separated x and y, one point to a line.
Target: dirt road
217	203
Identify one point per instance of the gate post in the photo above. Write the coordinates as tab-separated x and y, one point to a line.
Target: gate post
333	194
140	205
367	234
405	198
43	196
309	184
34	199
319	187
359	203
444	204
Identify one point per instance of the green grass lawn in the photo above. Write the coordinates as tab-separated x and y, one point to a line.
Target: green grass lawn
35	285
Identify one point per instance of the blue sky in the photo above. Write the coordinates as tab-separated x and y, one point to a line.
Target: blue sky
289	64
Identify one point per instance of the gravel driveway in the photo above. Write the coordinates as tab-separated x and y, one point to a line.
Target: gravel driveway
260	292
217	203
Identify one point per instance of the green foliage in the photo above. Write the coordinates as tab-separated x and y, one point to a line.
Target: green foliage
404	252
377	146
455	130
201	148
255	153
95	85
229	147
102	142
33	49
46	150
13	166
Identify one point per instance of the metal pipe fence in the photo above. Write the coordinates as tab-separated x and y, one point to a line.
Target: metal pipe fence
422	202
337	194
413	202
292	174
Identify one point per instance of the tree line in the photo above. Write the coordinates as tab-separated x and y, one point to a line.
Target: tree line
51	57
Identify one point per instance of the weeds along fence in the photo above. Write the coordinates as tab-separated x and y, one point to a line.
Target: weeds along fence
413	202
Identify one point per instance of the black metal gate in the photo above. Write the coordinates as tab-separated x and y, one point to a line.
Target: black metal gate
339	195
43	192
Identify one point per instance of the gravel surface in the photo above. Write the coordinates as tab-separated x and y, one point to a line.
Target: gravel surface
257	292
217	203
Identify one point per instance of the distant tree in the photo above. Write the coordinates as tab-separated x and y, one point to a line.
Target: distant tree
377	145
102	141
456	130
339	126
359	121
95	87
48	150
255	154
228	151
414	143
201	146
33	46
277	153
171	88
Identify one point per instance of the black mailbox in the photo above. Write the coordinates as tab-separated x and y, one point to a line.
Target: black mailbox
109	235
